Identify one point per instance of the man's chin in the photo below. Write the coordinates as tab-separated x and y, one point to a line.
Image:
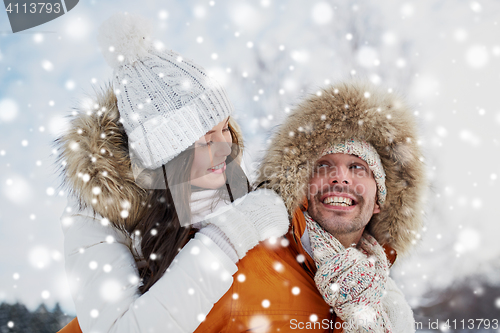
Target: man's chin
333	221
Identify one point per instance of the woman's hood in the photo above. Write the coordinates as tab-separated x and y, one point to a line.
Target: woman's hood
353	110
95	162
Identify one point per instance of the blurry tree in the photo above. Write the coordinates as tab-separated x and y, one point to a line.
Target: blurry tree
354	42
16	318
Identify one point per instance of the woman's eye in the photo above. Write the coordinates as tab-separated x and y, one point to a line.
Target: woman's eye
208	143
225	129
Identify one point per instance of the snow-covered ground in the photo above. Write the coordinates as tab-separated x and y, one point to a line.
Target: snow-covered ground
443	55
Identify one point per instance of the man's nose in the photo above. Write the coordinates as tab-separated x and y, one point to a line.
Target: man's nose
340	176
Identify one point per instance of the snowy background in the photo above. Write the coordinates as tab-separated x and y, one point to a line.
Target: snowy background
442	55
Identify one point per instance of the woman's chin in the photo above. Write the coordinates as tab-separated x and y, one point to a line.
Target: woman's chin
211	181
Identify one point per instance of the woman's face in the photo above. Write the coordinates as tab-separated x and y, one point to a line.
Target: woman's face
210	155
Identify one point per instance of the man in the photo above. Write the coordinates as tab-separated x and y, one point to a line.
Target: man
347	165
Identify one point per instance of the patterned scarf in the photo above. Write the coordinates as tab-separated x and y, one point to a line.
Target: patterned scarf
351	280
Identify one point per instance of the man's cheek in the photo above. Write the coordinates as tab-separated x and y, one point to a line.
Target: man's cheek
360	190
360	174
313	189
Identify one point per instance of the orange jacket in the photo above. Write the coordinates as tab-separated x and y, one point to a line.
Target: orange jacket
72	327
274	291
268	274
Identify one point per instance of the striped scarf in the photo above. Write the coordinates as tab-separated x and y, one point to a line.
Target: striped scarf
351	280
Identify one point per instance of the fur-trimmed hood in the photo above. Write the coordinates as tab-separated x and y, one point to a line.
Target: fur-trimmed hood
353	110
96	166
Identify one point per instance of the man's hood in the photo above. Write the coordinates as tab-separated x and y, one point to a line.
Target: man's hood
353	110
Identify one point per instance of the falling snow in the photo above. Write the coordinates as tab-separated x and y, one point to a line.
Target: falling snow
8	110
268	54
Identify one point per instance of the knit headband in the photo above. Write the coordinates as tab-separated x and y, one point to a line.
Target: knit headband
367	153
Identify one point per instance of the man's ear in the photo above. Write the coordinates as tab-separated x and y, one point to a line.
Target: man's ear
376	208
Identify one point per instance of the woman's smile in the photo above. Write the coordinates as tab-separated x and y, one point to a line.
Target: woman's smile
219	168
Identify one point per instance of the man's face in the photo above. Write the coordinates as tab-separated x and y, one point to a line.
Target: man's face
342	194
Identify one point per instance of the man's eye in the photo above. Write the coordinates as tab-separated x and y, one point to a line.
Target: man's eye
322	167
357	167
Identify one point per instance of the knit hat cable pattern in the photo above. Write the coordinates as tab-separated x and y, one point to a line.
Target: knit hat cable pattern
166	102
351	280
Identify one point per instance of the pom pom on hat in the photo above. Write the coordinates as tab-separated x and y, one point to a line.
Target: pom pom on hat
124	38
160	116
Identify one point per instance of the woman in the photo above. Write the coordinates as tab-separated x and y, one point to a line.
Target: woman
156	153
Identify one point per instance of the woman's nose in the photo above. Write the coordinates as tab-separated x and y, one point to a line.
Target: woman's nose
221	147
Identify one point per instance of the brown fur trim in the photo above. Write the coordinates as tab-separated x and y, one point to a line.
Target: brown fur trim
342	111
94	152
96	146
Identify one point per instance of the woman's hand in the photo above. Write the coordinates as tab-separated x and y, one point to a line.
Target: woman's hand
255	217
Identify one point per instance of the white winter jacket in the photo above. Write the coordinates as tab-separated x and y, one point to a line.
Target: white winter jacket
104	279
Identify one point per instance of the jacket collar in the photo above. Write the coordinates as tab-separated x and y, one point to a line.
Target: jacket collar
297	230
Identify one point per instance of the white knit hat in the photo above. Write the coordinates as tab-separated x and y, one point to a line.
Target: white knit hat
365	151
166	102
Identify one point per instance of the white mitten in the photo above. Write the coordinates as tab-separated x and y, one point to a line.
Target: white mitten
255	217
221	240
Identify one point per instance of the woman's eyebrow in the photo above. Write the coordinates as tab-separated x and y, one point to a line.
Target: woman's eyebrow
212	131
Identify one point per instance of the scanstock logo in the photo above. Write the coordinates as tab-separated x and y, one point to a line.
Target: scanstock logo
28	14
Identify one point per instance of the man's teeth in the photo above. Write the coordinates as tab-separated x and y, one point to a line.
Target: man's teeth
218	166
338	201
